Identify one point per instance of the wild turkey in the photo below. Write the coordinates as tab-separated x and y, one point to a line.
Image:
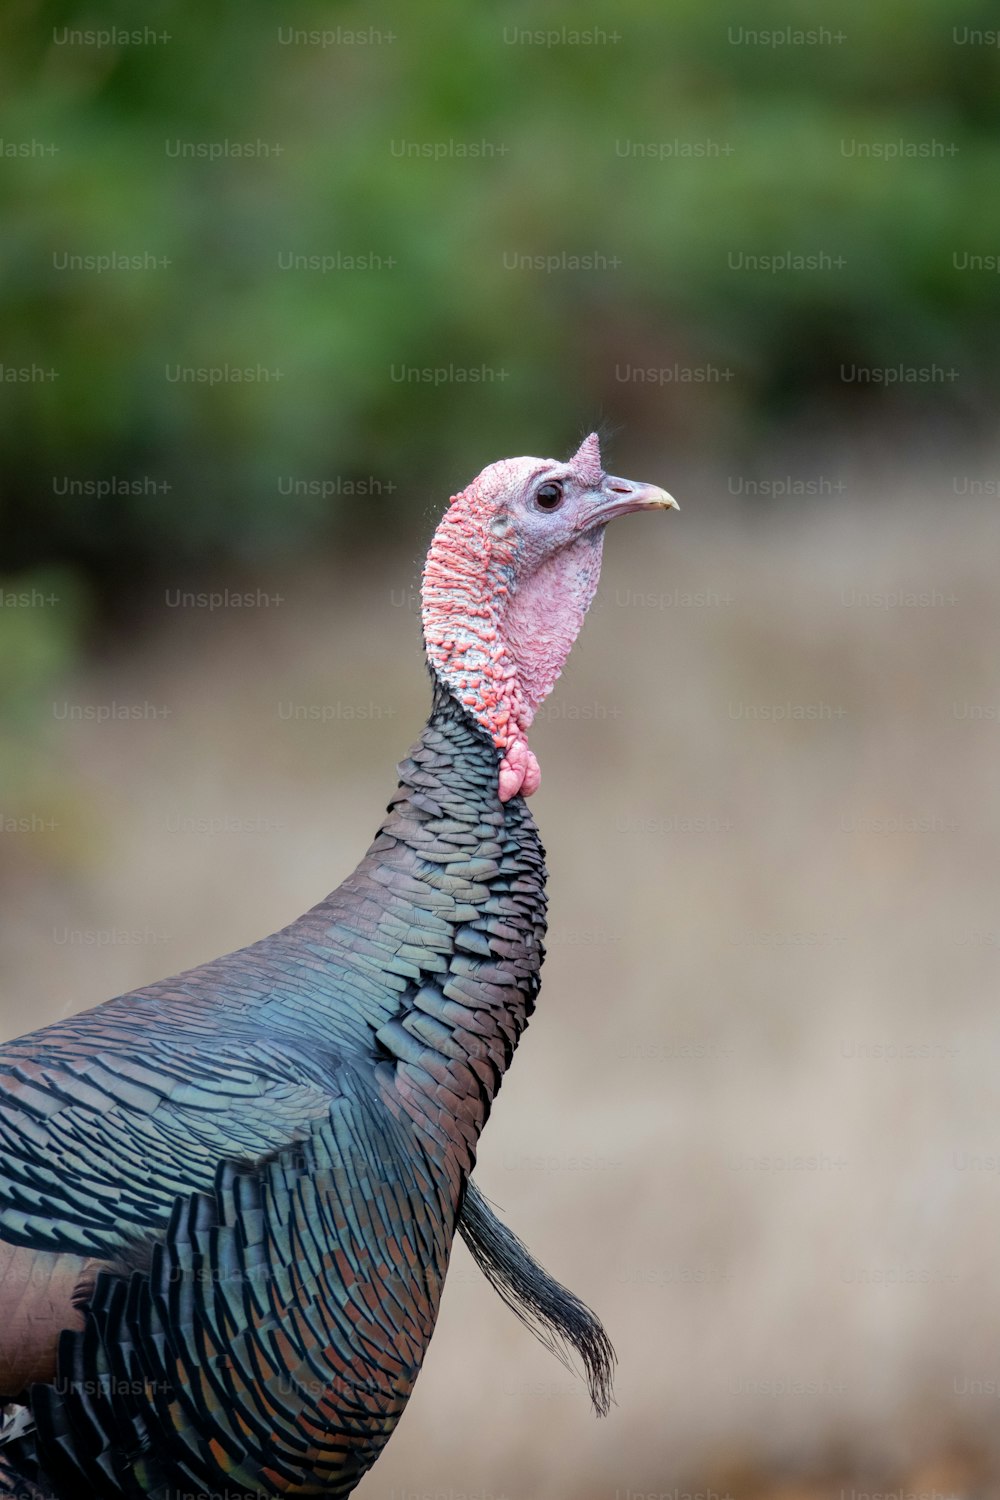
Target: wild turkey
227	1200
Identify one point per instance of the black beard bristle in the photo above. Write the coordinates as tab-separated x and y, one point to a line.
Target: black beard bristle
556	1317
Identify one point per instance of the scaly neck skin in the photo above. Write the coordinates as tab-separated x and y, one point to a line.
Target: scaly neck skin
448	906
499	623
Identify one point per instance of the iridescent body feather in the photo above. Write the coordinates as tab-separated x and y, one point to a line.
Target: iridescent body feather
228	1200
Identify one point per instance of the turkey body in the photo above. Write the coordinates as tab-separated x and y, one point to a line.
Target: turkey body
227	1200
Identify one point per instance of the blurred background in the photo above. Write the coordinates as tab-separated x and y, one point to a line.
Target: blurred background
275	281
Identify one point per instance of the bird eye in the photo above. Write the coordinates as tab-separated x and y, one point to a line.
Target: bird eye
549	496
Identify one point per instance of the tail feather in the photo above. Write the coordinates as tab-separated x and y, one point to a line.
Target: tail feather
556	1317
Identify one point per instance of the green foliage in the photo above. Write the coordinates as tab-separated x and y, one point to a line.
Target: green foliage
780	125
42	621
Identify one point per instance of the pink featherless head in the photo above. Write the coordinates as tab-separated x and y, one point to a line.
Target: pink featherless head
509	576
587	460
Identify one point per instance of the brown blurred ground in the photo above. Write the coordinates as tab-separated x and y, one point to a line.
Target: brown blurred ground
792	1236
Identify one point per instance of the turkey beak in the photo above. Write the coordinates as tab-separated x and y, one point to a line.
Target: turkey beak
620	497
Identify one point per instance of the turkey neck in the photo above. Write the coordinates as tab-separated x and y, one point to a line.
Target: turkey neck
441	926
